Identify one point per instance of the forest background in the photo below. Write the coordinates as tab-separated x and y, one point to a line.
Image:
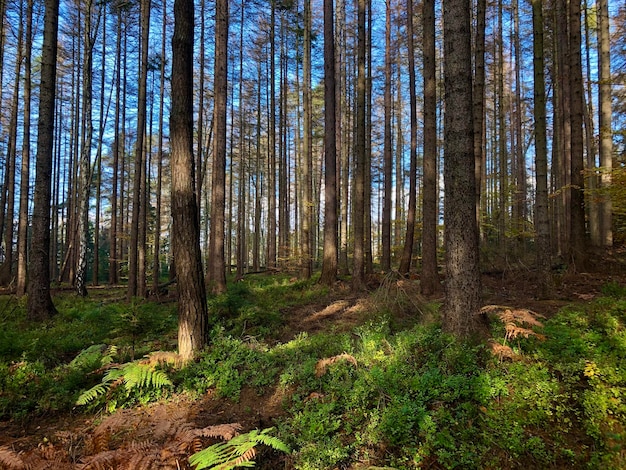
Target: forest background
376	140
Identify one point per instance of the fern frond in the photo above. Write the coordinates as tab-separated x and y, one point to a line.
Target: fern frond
93	393
222	431
264	438
163	357
237	452
104	460
109	354
138	375
11	460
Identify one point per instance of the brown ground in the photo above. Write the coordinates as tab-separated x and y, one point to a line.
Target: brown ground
162	435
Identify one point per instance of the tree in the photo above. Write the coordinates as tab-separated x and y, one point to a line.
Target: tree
22	230
329	264
307	171
462	289
606	134
542	221
387	150
40	306
577	228
192	308
137	249
217	265
407	253
358	269
430	276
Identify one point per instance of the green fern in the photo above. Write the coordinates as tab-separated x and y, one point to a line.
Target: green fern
237	452
132	375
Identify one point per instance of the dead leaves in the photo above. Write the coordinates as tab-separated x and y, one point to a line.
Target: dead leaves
518	322
322	365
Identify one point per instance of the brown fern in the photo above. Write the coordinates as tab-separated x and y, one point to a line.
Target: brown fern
502	351
11	460
104	460
513	331
169	358
321	367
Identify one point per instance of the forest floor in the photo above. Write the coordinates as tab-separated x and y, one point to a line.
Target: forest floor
66	440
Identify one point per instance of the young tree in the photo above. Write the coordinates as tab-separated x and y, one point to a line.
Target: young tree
217	265
329	264
192	308
40	306
462	287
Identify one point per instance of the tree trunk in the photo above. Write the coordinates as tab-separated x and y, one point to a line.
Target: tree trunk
542	221
307	168
358	269
462	288
407	253
606	133
217	267
40	306
22	230
192	308
577	229
329	264
430	276
387	149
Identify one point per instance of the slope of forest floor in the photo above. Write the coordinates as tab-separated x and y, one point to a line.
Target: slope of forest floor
166	430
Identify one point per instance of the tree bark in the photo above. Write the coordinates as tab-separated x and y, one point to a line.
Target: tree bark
40	306
192	308
329	263
217	265
430	276
462	288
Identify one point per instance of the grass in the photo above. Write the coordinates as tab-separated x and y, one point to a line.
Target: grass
387	392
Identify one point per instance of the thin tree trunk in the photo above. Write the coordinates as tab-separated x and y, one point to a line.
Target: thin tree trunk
22	230
430	277
358	269
329	263
605	113
407	253
307	168
385	263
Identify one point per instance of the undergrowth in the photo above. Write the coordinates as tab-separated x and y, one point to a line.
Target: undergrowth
387	393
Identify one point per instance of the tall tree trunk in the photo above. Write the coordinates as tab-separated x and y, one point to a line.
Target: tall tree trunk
606	133
156	267
40	306
387	149
462	299
430	276
358	268
577	229
271	170
117	145
192	308
307	169
478	116
85	175
407	253
542	221
217	264
329	264
6	269
22	230
136	254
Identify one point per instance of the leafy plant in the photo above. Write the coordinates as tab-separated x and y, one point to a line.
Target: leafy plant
142	376
237	452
